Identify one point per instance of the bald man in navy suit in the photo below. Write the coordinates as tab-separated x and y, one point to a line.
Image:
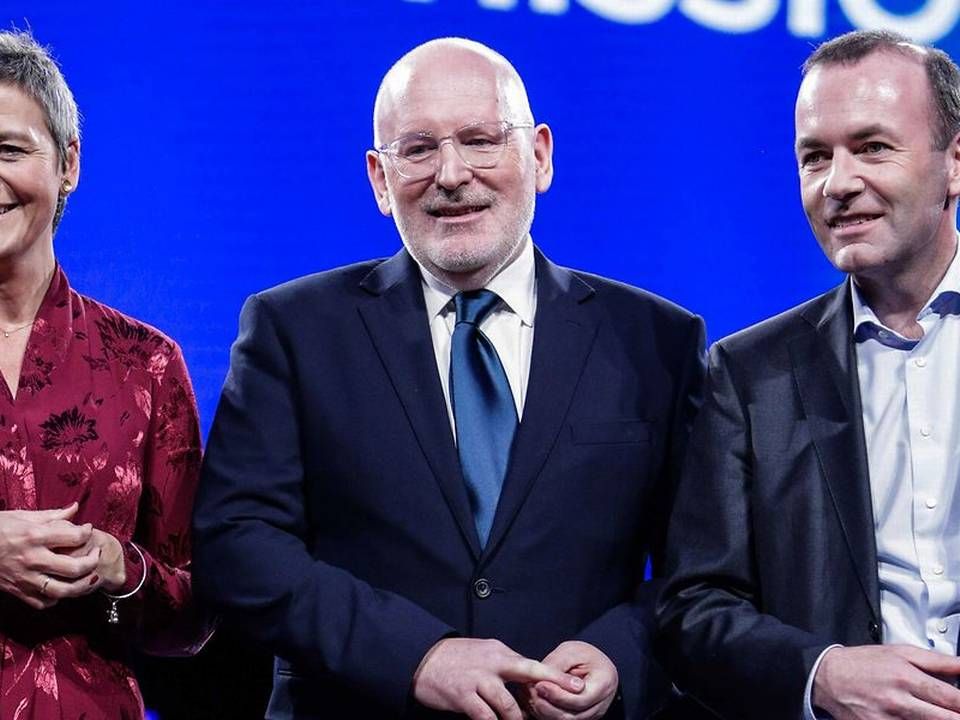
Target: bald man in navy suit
434	481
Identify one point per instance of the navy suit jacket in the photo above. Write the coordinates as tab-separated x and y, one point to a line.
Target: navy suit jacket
772	552
333	522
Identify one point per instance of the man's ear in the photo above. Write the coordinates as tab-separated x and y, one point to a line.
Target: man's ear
543	154
376	174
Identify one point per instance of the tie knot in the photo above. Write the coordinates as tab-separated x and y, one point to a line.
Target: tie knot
473	306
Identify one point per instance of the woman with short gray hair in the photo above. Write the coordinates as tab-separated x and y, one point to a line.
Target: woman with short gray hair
99	442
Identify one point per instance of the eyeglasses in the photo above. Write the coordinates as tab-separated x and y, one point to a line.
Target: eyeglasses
480	145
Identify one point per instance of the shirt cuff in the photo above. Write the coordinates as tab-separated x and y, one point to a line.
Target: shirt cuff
808	713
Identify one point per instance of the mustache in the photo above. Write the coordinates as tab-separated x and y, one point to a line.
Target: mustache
456	199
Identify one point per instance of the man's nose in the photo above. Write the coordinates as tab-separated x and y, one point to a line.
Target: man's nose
844	179
452	171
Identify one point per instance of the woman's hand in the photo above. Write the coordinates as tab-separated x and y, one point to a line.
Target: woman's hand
111	571
44	557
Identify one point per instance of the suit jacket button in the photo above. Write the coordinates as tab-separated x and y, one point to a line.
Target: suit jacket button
874	630
482	589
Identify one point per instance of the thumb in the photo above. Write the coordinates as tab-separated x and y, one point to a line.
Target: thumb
531	671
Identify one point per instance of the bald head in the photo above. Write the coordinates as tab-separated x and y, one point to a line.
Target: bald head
461	222
454	64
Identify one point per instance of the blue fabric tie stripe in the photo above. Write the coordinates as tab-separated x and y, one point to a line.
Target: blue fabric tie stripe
946	303
483	407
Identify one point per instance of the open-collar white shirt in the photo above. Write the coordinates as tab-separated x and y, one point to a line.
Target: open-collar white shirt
911	422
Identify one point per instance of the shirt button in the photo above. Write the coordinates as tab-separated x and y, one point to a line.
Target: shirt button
874	629
482	589
925	430
920	362
931	502
941	627
937	569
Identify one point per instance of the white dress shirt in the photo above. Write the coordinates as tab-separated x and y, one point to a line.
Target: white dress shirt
911	422
509	326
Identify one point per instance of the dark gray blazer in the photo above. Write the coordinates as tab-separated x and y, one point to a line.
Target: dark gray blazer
771	549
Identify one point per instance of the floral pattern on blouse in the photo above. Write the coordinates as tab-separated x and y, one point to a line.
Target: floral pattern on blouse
104	415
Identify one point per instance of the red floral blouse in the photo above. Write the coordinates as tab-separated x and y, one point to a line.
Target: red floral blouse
104	415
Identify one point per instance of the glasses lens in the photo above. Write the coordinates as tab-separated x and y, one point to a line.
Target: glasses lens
412	154
415	148
480	144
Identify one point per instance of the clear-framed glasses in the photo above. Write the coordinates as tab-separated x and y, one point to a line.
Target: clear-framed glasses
480	145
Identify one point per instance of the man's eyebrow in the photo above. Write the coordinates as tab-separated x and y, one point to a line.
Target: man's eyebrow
413	130
863	133
808	142
14	135
870	130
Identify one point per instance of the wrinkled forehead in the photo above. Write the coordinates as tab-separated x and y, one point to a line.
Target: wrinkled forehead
445	89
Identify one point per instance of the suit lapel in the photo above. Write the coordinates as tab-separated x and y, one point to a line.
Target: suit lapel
825	367
563	334
397	323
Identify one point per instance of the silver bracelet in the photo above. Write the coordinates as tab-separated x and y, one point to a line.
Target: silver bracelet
113	617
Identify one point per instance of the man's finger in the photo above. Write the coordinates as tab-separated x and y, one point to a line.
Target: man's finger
476	708
525	695
932	663
525	670
936	692
916	708
544	710
571	702
496	695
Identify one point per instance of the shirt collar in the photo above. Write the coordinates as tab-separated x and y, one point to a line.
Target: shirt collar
515	284
863	313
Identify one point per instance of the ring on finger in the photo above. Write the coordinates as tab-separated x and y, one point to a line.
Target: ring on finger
43	588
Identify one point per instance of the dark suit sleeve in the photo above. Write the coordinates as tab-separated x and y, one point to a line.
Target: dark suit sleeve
250	559
717	643
625	632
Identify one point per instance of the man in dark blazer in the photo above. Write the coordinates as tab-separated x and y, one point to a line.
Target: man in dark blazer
813	555
341	519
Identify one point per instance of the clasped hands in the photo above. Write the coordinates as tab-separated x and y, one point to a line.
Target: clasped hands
44	557
465	675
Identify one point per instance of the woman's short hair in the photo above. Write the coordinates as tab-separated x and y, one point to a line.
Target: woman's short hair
31	67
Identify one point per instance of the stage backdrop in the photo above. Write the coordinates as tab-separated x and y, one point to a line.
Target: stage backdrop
223	152
223	143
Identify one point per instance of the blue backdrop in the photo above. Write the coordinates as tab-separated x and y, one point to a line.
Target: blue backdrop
223	152
223	143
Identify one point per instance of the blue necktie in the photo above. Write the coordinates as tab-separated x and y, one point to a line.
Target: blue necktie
946	303
483	407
